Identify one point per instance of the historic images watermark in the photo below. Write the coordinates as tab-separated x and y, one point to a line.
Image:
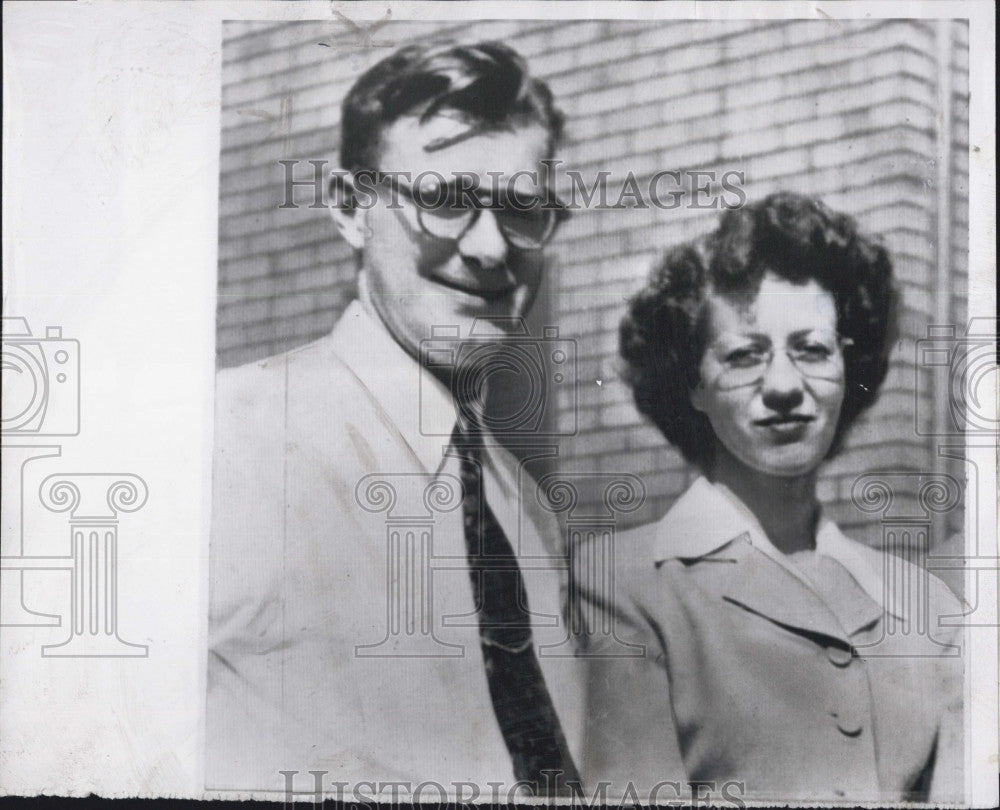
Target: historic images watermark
666	793
666	190
41	384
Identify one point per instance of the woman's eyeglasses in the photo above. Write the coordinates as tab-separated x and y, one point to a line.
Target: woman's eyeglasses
745	362
527	222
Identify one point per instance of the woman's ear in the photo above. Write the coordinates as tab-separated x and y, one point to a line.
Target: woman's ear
697	397
347	215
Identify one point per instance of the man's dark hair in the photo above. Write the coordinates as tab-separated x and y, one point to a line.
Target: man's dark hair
488	82
662	338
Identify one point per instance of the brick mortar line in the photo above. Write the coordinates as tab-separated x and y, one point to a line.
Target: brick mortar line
276	139
727	60
443	30
770	25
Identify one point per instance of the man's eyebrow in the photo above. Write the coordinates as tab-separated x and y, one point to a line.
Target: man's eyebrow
443	143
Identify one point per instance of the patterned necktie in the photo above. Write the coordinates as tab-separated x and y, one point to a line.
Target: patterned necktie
521	701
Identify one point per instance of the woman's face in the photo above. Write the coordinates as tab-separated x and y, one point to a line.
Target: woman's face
772	376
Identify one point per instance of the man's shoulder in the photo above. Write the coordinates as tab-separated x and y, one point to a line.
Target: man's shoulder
269	377
294	423
294	435
314	378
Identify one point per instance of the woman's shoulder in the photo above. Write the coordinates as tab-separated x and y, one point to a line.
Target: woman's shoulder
639	541
911	569
643	557
629	551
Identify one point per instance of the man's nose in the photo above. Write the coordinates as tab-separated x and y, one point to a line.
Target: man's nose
484	243
782	387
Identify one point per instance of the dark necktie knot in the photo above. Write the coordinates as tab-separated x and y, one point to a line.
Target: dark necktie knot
467	442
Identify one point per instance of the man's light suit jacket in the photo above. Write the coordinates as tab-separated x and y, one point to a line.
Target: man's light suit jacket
343	634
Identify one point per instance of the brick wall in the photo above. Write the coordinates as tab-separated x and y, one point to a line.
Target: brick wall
844	110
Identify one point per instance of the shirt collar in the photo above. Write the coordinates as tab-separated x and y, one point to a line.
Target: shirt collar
709	516
687	532
419	406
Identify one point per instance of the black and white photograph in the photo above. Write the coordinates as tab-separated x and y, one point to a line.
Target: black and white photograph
501	402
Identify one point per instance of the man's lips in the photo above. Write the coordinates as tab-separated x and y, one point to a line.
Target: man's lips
488	293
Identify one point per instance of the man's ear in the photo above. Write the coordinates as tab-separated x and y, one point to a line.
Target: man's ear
348	216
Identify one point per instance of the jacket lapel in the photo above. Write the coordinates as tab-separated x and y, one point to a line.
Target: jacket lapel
814	595
406	395
763	586
853	607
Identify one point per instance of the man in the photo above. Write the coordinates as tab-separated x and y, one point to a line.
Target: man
384	585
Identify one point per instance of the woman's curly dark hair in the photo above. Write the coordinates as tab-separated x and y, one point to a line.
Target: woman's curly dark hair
662	338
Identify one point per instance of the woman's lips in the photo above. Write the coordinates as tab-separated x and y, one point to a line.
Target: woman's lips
784	419
788	428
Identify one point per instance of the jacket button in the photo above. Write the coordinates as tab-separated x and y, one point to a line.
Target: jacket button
848	725
849	728
839	656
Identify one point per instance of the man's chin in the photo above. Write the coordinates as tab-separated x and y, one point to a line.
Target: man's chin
493	315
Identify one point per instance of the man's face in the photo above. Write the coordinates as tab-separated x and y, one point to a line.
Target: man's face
416	280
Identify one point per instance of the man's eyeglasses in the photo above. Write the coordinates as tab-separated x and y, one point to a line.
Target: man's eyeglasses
744	362
527	222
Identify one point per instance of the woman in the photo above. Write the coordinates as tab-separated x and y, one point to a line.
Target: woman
764	661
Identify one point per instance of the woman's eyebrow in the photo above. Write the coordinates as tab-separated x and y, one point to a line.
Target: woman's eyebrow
798	333
760	336
813	330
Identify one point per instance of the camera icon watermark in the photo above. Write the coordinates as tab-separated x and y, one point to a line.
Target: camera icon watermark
958	371
41	381
539	374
